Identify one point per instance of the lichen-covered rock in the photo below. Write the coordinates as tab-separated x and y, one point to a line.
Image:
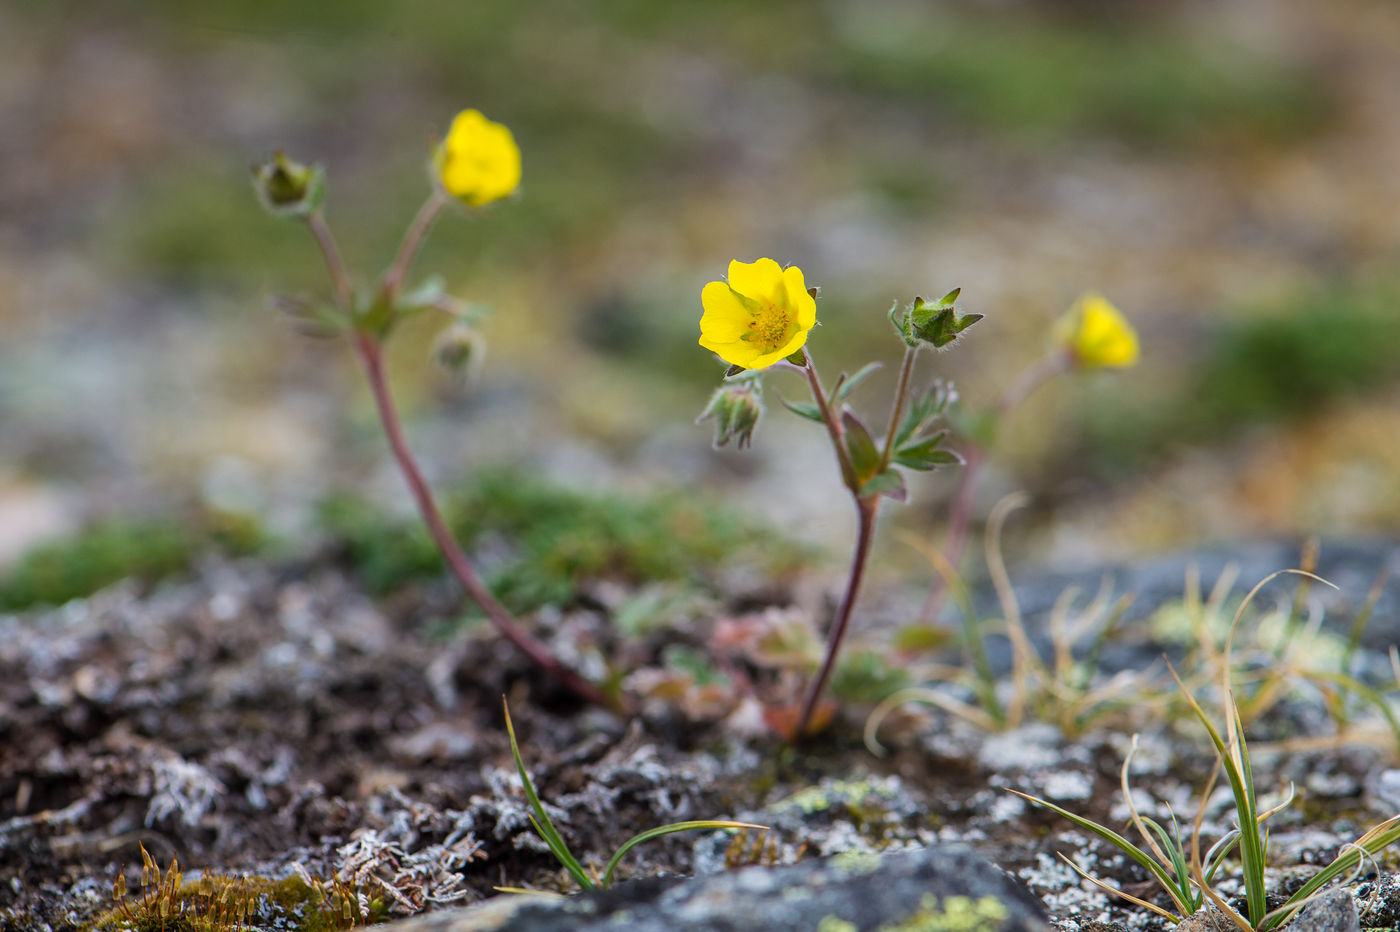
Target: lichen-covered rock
1333	911
938	889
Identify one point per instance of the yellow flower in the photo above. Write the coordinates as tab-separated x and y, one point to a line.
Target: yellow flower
759	316
1097	335
479	161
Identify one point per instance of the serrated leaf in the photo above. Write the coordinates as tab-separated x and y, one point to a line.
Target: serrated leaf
865	458
802	409
926	454
922	413
844	384
889	483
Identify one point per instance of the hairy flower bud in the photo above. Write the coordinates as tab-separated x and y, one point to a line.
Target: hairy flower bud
736	407
287	188
460	348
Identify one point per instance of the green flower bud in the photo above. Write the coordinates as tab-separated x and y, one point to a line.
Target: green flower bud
460	348
287	188
936	323
736	407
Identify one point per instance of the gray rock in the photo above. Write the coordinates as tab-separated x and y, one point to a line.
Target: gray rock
1333	911
940	887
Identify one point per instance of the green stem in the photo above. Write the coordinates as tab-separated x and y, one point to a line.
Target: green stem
865	532
906	371
371	353
413	239
340	281
960	513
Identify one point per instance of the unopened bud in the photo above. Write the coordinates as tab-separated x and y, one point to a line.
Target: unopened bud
287	188
460	348
936	323
736	407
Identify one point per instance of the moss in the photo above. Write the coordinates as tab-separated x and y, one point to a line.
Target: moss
147	549
220	903
953	914
558	539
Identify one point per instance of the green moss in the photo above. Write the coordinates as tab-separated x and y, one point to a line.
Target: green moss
145	549
558	539
953	914
220	903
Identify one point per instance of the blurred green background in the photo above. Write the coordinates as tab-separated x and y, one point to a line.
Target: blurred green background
1225	173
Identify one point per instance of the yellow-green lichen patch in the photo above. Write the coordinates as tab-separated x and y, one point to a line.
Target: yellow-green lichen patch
954	914
835	924
857	862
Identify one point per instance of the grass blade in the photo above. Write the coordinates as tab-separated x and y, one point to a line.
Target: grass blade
540	819
657	832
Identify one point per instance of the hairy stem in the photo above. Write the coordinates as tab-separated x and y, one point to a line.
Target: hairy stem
866	508
371	353
412	240
833	425
340	281
906	371
960	513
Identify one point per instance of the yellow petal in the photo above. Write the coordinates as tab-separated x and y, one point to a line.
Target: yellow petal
798	298
737	352
761	280
1097	335
725	319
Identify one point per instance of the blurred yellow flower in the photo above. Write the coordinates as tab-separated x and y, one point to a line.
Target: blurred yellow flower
1097	335
759	316
479	161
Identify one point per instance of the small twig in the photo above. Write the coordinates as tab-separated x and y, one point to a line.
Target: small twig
316	222
906	371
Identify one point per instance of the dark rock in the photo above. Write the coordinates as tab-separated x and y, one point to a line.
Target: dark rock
1333	911
940	887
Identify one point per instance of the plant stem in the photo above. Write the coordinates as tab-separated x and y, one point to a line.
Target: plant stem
906	370
833	425
866	508
340	281
960	513
412	240
371	353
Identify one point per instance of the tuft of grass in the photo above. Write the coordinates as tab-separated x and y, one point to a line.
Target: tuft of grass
1187	877
149	549
593	880
558	539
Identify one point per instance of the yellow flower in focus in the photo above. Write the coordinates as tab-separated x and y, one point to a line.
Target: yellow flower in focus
759	316
479	161
1097	335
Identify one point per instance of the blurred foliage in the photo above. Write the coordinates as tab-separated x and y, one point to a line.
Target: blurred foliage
1051	78
557	539
1284	362
120	548
867	676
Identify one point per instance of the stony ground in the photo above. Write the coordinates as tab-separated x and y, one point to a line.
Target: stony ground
272	720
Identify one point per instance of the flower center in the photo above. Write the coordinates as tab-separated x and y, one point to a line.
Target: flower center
769	327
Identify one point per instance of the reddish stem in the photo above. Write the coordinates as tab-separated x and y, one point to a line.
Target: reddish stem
865	510
372	356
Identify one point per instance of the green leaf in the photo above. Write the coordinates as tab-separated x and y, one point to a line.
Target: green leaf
733	371
657	832
865	458
924	410
889	483
806	409
427	295
925	454
799	359
844	384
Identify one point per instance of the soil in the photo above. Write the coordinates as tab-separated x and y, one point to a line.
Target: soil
270	720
